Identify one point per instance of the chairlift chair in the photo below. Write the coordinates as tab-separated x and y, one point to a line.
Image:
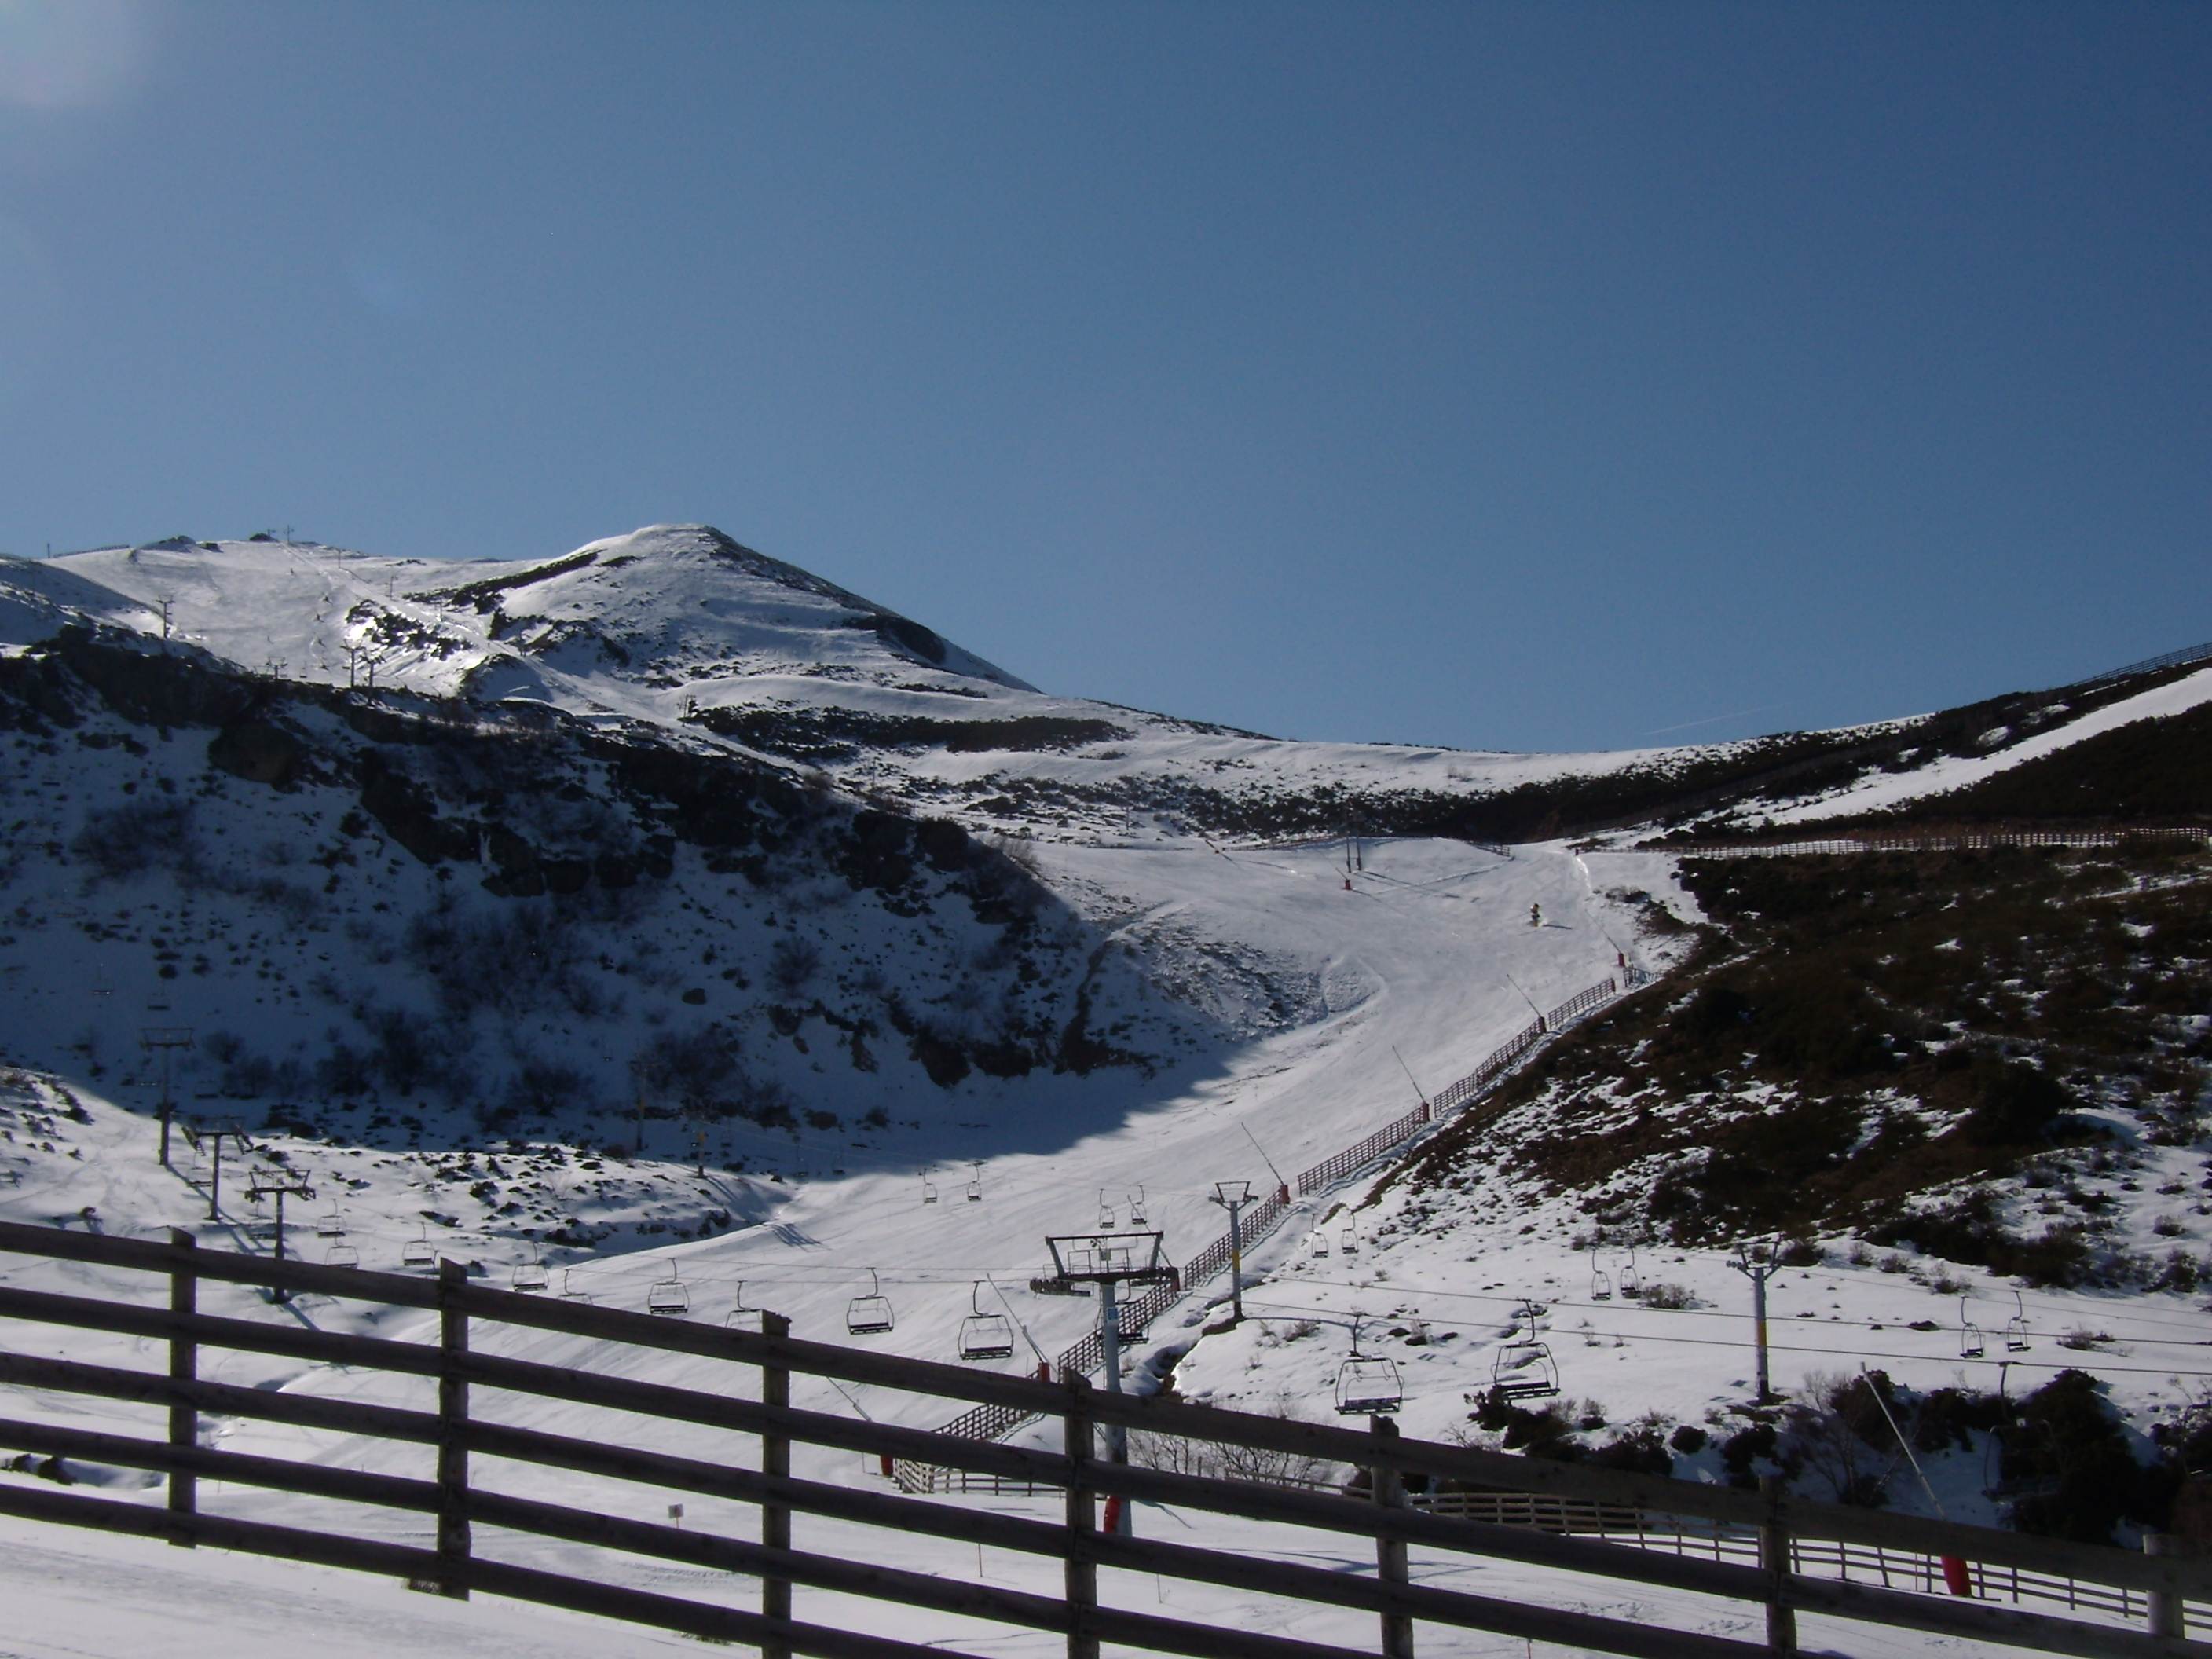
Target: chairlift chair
419	1252
2016	1327
1137	1217
331	1225
568	1290
1601	1284
668	1296
742	1318
1368	1386
928	1189
1970	1334
1630	1283
1108	1221
985	1335
1320	1244
1524	1370
341	1255
529	1275
869	1314
976	1185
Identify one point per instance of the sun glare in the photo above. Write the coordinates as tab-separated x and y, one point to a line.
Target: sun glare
68	54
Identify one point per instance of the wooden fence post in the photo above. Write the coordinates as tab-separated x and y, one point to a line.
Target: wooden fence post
1388	1486
1774	1560
184	1367
775	1463
452	1428
1082	1576
2165	1605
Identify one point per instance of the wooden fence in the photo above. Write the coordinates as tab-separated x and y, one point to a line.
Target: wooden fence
1973	841
1872	1563
1457	1093
459	1434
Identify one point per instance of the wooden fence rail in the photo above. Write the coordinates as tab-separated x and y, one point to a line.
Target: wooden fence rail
463	1508
1971	840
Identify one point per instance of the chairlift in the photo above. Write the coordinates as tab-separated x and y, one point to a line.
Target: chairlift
1630	1283
1367	1385
742	1318
341	1255
928	1189
1351	1237
2016	1327
568	1290
1601	1284
668	1296
1108	1221
1970	1334
419	1252
869	1314
331	1225
529	1275
1137	1217
1524	1370
976	1185
1320	1244
984	1335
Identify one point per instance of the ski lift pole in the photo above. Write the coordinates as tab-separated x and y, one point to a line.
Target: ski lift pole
215	1179
1750	1263
1109	1351
280	1190
1233	1196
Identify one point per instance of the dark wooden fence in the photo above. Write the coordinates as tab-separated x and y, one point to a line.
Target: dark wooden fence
1906	841
1457	1093
459	1434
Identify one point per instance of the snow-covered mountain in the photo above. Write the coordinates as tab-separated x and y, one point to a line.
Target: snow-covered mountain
662	909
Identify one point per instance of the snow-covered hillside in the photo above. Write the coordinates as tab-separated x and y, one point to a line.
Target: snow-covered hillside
681	628
664	913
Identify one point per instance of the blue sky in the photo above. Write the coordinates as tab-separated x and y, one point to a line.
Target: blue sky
1508	376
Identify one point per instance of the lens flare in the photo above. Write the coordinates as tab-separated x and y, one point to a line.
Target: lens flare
70	54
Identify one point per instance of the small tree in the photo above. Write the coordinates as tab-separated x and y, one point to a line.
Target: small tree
1839	1432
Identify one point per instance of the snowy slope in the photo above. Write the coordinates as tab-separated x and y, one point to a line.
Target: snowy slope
1944	774
1260	1005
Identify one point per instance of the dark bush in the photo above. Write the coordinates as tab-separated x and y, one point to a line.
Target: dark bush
2014	1103
1948	1416
2072	1454
138	836
1640	1451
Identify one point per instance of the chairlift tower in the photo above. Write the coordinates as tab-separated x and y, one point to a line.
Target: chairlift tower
272	1184
1233	1196
165	1040
1756	1262
213	1137
1108	1260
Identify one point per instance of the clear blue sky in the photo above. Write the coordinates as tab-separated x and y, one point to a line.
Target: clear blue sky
1515	376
